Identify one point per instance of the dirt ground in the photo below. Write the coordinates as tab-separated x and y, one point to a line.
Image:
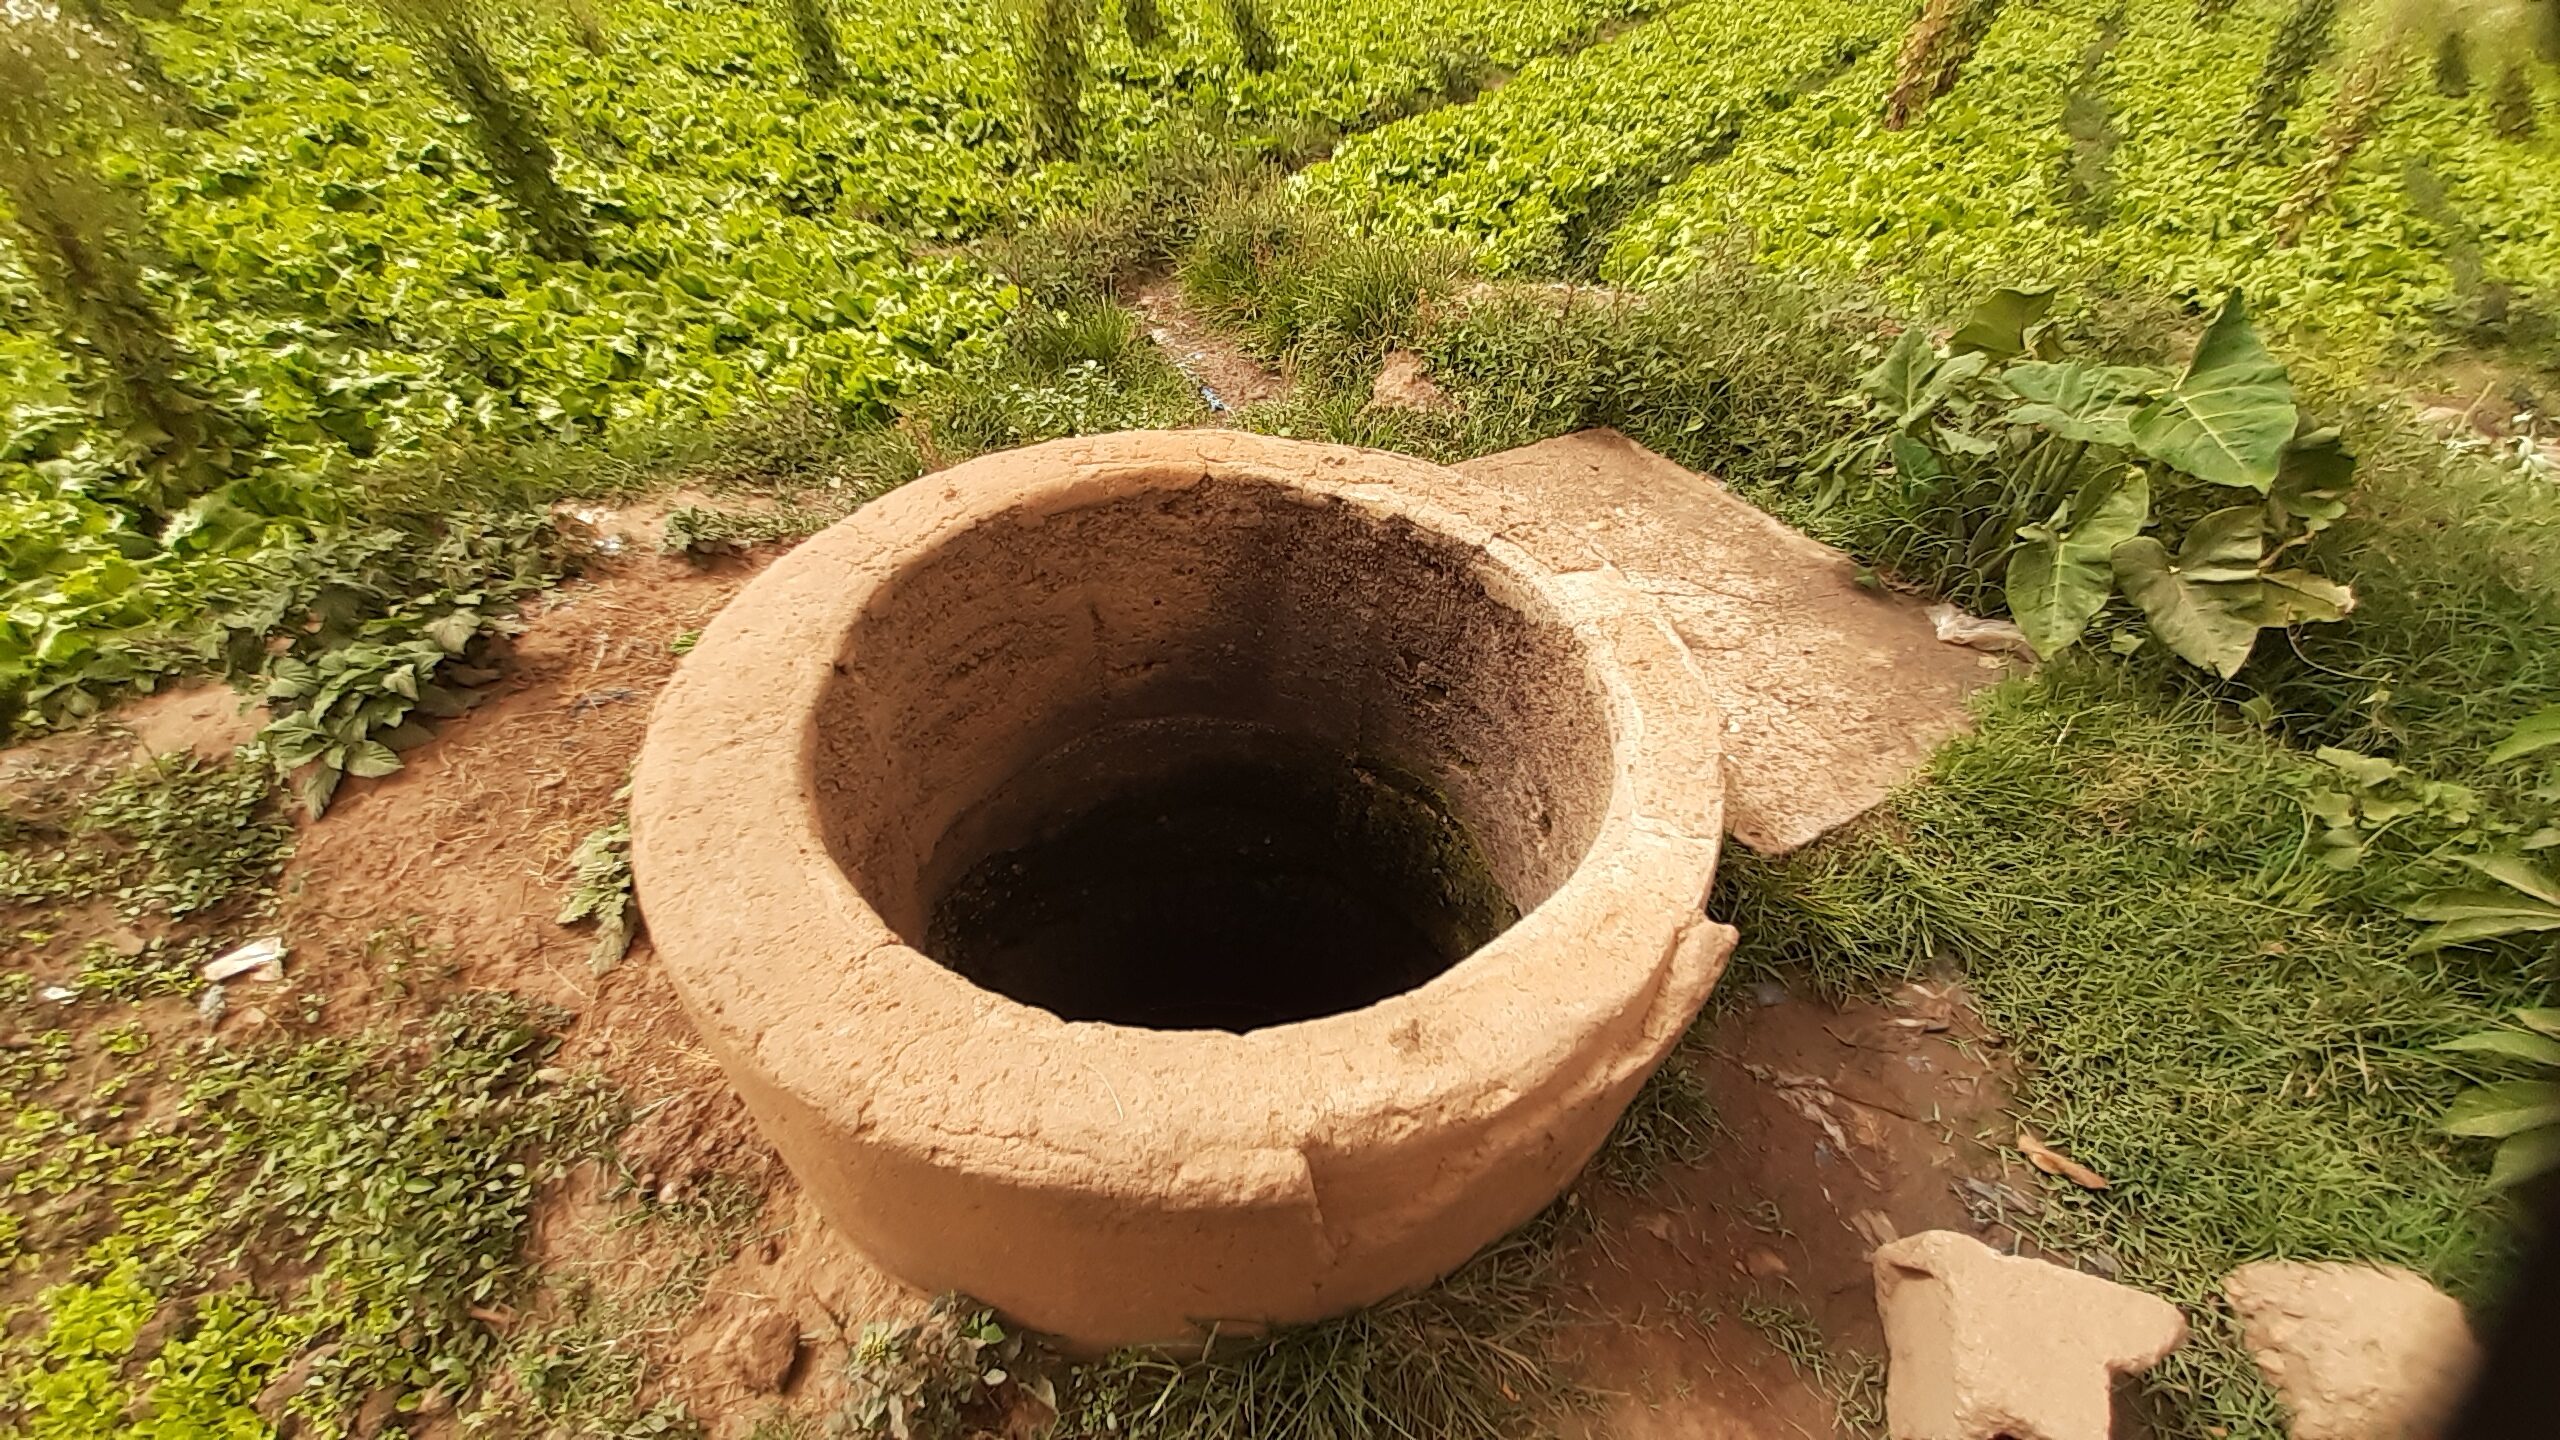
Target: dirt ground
1730	1299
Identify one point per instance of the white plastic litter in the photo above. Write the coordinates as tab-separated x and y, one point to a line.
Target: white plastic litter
1998	637
261	960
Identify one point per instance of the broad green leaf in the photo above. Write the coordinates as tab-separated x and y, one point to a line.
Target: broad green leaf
2229	416
2513	1044
2295	597
2464	916
371	760
453	632
2522	1157
1915	461
2365	770
2077	401
2510	1107
1899	380
2060	581
1913	381
1998	326
2538	731
2203	605
318	784
2518	873
2546	1022
2313	477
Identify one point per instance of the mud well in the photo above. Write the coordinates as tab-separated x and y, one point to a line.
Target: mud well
1226	756
1174	880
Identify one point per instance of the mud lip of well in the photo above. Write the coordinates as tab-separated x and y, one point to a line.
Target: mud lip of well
1111	1184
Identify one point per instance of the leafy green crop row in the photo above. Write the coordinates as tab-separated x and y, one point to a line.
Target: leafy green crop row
344	275
1538	172
2440	224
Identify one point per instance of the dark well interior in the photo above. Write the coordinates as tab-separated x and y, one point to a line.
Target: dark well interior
1208	753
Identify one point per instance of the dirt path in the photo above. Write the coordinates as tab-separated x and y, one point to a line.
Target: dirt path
1228	379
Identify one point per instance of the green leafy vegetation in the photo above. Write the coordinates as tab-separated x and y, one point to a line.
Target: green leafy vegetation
401	1165
172	839
600	890
2041	475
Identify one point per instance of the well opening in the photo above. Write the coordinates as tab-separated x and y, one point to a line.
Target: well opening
1219	755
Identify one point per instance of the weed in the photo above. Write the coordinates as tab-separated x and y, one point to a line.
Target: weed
398	1168
1671	1122
1075	369
174	838
1855	1382
506	123
405	1166
1732	372
956	1371
704	530
813	39
1301	288
585	1370
601	891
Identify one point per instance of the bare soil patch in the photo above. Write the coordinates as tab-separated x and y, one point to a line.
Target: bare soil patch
1839	1129
1211	359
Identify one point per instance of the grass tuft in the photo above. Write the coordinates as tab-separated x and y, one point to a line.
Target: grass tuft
1462	1360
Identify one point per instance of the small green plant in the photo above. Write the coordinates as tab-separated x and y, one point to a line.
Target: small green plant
954	1372
1144	22
1255	44
1049	59
2043	473
2511	104
2452	70
353	708
2366	797
506	123
2523	1116
813	38
2527	900
83	244
2300	43
601	891
174	838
